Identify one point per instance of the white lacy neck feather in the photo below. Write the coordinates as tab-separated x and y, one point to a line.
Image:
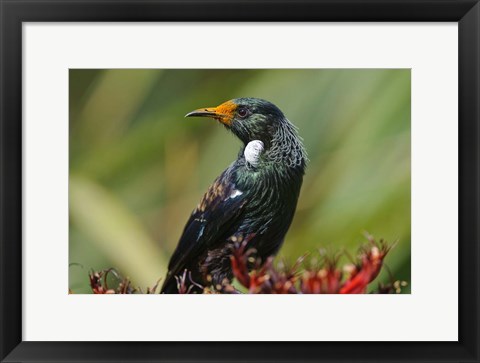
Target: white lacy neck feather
252	152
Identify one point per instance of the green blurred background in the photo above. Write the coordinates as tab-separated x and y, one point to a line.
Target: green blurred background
138	167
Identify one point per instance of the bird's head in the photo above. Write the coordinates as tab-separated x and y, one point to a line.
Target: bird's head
260	121
248	118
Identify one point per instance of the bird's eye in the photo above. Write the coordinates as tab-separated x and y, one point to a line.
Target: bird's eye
242	112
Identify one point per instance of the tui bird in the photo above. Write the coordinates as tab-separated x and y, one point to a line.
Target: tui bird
254	199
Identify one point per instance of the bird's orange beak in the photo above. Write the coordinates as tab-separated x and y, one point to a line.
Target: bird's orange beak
223	113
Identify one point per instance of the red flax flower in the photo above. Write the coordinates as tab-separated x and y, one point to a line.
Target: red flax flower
361	274
185	284
262	279
98	282
323	281
99	285
327	278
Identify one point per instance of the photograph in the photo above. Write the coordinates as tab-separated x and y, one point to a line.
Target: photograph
240	181
202	156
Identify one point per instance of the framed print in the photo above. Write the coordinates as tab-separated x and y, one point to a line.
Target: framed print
266	181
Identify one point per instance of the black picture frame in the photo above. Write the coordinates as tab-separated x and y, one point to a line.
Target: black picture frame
15	12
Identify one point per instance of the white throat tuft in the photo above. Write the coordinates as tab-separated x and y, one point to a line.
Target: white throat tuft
252	152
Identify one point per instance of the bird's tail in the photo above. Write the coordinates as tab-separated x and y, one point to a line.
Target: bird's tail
170	286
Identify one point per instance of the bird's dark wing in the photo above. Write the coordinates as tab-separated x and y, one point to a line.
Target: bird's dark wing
209	225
